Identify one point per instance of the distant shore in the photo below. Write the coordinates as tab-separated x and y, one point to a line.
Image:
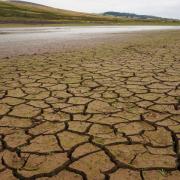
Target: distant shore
41	24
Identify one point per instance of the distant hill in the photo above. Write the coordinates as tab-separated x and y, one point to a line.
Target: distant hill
132	15
25	12
22	12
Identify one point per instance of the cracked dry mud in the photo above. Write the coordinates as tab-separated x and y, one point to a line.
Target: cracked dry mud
107	112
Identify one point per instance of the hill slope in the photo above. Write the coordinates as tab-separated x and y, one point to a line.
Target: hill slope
25	12
21	12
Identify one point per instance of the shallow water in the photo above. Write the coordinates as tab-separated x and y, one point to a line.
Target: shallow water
84	29
64	32
16	41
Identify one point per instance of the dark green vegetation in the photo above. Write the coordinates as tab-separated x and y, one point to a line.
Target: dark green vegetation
135	16
18	12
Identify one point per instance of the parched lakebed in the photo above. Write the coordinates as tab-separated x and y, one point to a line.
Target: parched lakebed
108	111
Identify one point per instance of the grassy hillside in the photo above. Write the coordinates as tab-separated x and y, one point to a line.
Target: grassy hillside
18	12
23	12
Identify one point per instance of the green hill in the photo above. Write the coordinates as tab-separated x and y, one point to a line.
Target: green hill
132	15
21	12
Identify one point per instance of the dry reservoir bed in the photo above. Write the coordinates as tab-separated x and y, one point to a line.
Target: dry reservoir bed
111	111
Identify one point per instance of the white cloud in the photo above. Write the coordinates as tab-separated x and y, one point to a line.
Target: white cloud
164	8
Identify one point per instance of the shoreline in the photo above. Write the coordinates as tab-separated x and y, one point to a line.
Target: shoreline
29	44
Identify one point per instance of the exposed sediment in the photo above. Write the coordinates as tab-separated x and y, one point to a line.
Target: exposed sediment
106	112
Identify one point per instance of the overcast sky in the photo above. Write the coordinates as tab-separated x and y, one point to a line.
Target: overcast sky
163	8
